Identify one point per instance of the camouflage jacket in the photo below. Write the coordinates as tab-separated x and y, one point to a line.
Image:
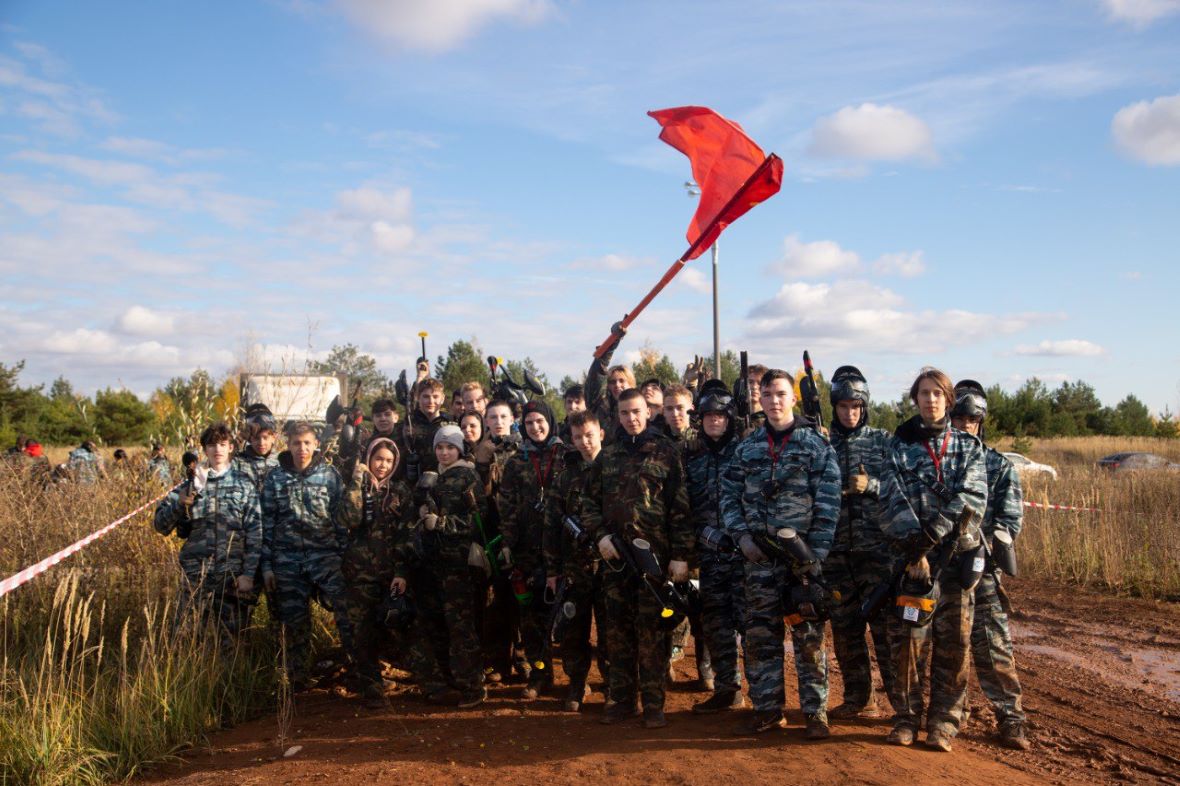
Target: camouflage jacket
861	515
299	512
598	398
416	435
85	466
159	470
637	489
379	524
705	463
932	494
255	465
461	506
800	490
524	492
568	498
1005	499
224	526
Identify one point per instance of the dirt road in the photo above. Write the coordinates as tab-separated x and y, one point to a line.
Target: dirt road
1102	689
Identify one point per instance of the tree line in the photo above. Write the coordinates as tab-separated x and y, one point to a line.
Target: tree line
176	411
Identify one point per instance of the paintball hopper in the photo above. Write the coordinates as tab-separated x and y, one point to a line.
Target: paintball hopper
397	611
1004	552
335	410
916	601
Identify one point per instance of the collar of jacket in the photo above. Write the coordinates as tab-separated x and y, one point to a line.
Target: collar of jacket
914	430
459	463
552	442
719	444
636	442
288	463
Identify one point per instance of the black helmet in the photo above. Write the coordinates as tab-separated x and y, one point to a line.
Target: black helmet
260	418
970	400
849	383
718	401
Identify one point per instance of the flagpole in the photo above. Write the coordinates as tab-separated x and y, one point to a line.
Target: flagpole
716	321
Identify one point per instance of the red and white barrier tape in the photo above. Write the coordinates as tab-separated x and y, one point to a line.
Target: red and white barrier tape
31	572
1047	506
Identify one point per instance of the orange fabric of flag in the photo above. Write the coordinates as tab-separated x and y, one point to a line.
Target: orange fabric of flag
732	172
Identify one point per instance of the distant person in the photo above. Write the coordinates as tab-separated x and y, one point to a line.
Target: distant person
158	468
86	465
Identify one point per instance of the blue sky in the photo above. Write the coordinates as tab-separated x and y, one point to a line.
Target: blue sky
987	187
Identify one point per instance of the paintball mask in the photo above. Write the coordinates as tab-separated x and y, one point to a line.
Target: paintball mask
849	384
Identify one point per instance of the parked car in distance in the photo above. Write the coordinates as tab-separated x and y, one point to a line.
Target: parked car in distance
1123	462
1025	465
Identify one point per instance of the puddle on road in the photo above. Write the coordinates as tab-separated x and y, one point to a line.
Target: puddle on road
1133	667
1162	667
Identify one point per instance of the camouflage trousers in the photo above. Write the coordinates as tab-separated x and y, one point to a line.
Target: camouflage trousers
534	618
722	601
296	582
214	598
991	650
446	611
367	568
585	592
764	628
498	622
638	644
854	575
943	647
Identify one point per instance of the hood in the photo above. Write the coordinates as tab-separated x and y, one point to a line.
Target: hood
539	407
914	430
383	442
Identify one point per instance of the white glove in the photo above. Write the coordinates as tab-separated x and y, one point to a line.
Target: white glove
678	571
607	549
506	556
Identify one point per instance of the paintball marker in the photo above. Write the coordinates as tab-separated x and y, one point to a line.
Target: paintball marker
561	611
742	392
638	557
422	334
713	538
195	483
580	537
809	392
809	599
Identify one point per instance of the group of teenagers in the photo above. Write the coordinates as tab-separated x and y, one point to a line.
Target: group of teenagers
463	542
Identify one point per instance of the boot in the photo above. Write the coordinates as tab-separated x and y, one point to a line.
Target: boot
1012	735
760	721
473	698
901	735
619	712
939	739
653	718
720	701
817	726
850	710
705	673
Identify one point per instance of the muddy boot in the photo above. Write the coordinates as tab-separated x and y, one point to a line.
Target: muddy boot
901	734
619	711
817	726
574	698
848	711
721	701
939	739
473	698
653	718
705	673
761	721
1012	735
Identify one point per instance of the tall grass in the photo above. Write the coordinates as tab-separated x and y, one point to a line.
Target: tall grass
1131	544
98	676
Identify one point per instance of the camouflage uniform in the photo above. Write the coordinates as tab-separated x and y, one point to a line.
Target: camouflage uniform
302	544
528	475
447	603
860	560
636	489
807	500
581	571
497	614
85	465
919	506
598	398
222	534
160	470
255	465
416	435
991	641
722	575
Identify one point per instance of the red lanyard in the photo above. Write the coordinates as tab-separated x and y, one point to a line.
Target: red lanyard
541	479
937	459
774	454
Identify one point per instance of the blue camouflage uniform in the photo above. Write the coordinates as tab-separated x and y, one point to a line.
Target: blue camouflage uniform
796	484
302	544
222	533
991	641
255	465
722	574
85	465
860	560
940	471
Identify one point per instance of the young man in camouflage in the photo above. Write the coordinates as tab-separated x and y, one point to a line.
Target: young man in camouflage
302	544
706	459
941	473
860	559
677	413
522	499
415	435
636	489
991	641
784	475
604	384
218	516
258	458
575	562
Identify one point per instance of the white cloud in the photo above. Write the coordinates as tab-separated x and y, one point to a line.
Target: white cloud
695	279
1150	131
364	219
872	132
817	259
858	315
96	170
437	25
1140	13
906	264
78	341
1074	347
614	263
56	107
141	321
151	149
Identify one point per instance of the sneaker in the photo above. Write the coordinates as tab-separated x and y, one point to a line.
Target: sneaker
901	735
720	701
817	726
851	710
939	739
473	698
654	718
618	712
760	721
1012	735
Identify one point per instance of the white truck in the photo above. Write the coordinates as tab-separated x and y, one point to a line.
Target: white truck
294	397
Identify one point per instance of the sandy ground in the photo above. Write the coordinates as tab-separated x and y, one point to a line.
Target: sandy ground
1102	689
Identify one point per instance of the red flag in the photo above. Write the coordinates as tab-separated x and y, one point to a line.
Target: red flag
733	173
